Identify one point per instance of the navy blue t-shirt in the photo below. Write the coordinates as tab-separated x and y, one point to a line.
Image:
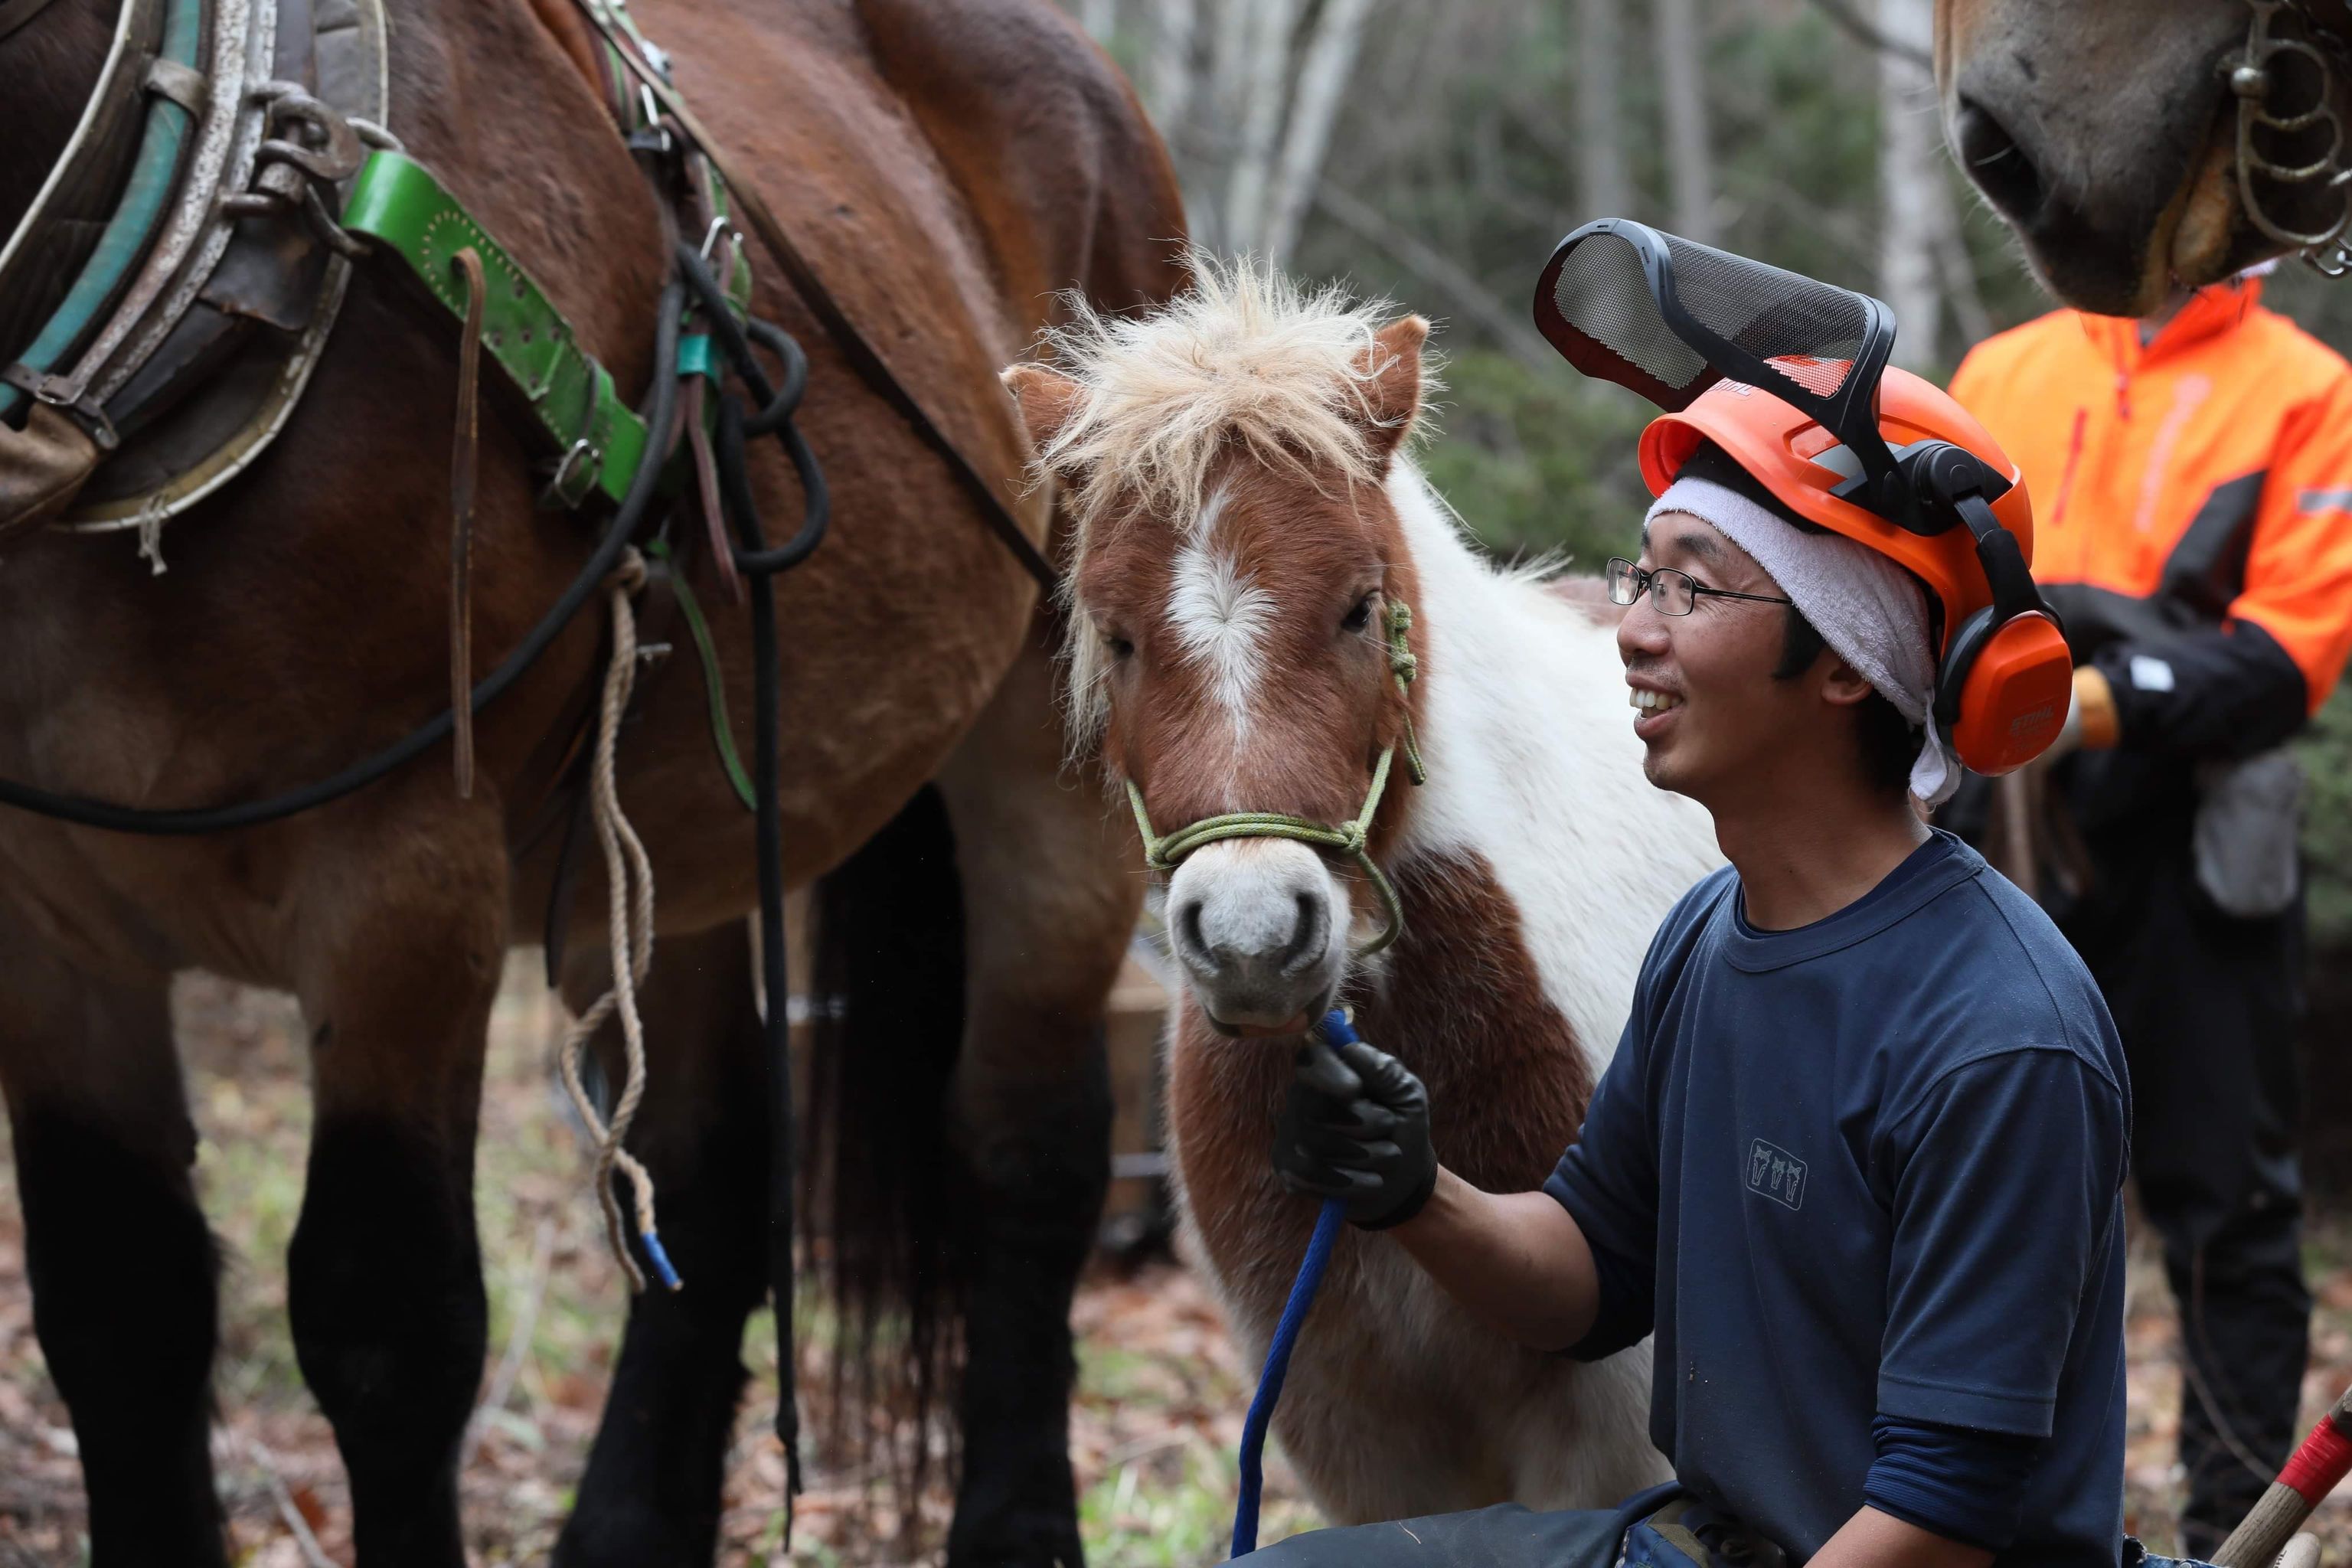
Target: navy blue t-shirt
1871	1167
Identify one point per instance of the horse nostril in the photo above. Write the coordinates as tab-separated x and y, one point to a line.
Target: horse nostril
1306	944
1190	943
1997	163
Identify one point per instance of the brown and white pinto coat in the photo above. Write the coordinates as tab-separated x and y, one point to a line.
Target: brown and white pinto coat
1245	511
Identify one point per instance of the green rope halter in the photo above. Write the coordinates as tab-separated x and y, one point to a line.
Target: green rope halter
1164	855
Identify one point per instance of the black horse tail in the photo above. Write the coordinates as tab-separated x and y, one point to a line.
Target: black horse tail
879	1167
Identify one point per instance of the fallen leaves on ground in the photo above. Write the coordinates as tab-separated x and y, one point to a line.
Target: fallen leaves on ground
1153	1434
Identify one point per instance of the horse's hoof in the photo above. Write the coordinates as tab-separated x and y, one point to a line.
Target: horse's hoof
1041	1540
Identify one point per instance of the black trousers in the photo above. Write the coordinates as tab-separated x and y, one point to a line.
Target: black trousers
2208	1006
1505	1536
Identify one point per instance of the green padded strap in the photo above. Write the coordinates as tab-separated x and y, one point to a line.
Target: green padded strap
598	439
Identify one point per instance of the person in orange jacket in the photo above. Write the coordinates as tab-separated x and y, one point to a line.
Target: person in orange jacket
2192	480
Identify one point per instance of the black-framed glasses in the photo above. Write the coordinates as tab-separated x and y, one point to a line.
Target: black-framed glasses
1671	592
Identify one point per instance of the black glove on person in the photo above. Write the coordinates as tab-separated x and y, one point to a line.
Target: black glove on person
1356	1128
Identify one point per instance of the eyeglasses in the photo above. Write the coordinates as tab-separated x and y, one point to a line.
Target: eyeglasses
1671	592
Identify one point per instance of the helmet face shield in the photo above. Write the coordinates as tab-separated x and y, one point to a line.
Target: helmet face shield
1668	318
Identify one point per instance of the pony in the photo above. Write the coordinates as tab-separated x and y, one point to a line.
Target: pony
2107	135
949	169
1251	532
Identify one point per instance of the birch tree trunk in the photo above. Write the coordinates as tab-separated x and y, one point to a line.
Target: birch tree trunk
1682	90
1323	74
1604	185
1168	71
1910	182
1264	78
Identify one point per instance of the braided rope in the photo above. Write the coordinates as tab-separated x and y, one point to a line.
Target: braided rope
629	891
1164	854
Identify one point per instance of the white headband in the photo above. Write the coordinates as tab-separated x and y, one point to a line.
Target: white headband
1868	609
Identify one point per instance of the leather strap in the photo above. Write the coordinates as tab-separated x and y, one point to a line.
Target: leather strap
462	449
561	389
863	357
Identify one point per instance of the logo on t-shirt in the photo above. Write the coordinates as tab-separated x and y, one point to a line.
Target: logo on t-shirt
1776	1173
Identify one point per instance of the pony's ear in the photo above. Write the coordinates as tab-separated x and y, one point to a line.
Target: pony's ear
1046	398
1392	396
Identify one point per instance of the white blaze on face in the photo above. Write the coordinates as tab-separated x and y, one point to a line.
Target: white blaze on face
1222	620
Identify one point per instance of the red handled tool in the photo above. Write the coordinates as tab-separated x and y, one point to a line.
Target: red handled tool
2323	1459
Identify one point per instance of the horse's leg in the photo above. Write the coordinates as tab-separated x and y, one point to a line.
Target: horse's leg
121	1264
1051	890
403	932
651	1493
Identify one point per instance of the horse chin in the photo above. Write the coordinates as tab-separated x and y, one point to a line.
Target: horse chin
2212	239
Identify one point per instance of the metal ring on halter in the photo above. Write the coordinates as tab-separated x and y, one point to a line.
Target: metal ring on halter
2251	79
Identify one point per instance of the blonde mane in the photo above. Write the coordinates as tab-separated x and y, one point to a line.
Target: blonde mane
1246	360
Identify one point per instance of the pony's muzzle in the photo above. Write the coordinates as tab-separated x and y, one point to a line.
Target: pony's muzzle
1260	927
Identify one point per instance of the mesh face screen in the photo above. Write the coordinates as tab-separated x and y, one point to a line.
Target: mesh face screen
1772	314
1601	293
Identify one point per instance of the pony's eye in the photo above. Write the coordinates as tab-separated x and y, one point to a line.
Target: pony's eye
1121	648
1361	617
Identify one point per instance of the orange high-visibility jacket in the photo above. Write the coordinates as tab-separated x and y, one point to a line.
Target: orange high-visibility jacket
2192	510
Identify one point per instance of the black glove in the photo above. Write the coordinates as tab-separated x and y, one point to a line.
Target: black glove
1356	1128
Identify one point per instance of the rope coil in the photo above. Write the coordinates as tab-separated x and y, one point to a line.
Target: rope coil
629	894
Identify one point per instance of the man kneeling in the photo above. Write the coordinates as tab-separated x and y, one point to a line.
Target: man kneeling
1858	1162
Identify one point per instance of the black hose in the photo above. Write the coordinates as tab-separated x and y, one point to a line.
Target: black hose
661	405
755	560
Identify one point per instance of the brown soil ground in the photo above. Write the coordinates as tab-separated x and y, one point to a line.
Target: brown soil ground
1159	1414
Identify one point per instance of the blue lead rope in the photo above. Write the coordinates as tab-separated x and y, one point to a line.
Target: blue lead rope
1333	1030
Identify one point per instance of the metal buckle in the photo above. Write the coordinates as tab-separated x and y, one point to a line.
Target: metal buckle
330	151
56	392
575	475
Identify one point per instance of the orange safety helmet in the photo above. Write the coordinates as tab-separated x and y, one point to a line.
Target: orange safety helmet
1821	421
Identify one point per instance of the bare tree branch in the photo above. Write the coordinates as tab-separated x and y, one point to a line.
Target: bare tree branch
1858	26
1169	72
1681	93
1605	183
1265	81
1910	179
1468	296
1323	72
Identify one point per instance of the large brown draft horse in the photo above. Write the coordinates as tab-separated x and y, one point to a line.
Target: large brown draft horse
946	167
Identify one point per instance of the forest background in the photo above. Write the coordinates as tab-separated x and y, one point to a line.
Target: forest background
1435	153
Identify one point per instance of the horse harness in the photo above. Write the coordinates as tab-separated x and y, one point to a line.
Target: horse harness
231	166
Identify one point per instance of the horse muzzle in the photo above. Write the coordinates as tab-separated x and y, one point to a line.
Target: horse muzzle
1260	927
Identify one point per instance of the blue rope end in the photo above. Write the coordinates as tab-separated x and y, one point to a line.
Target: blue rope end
660	1260
1331	1029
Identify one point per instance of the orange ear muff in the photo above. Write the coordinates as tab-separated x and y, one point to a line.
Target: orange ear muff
2005	691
